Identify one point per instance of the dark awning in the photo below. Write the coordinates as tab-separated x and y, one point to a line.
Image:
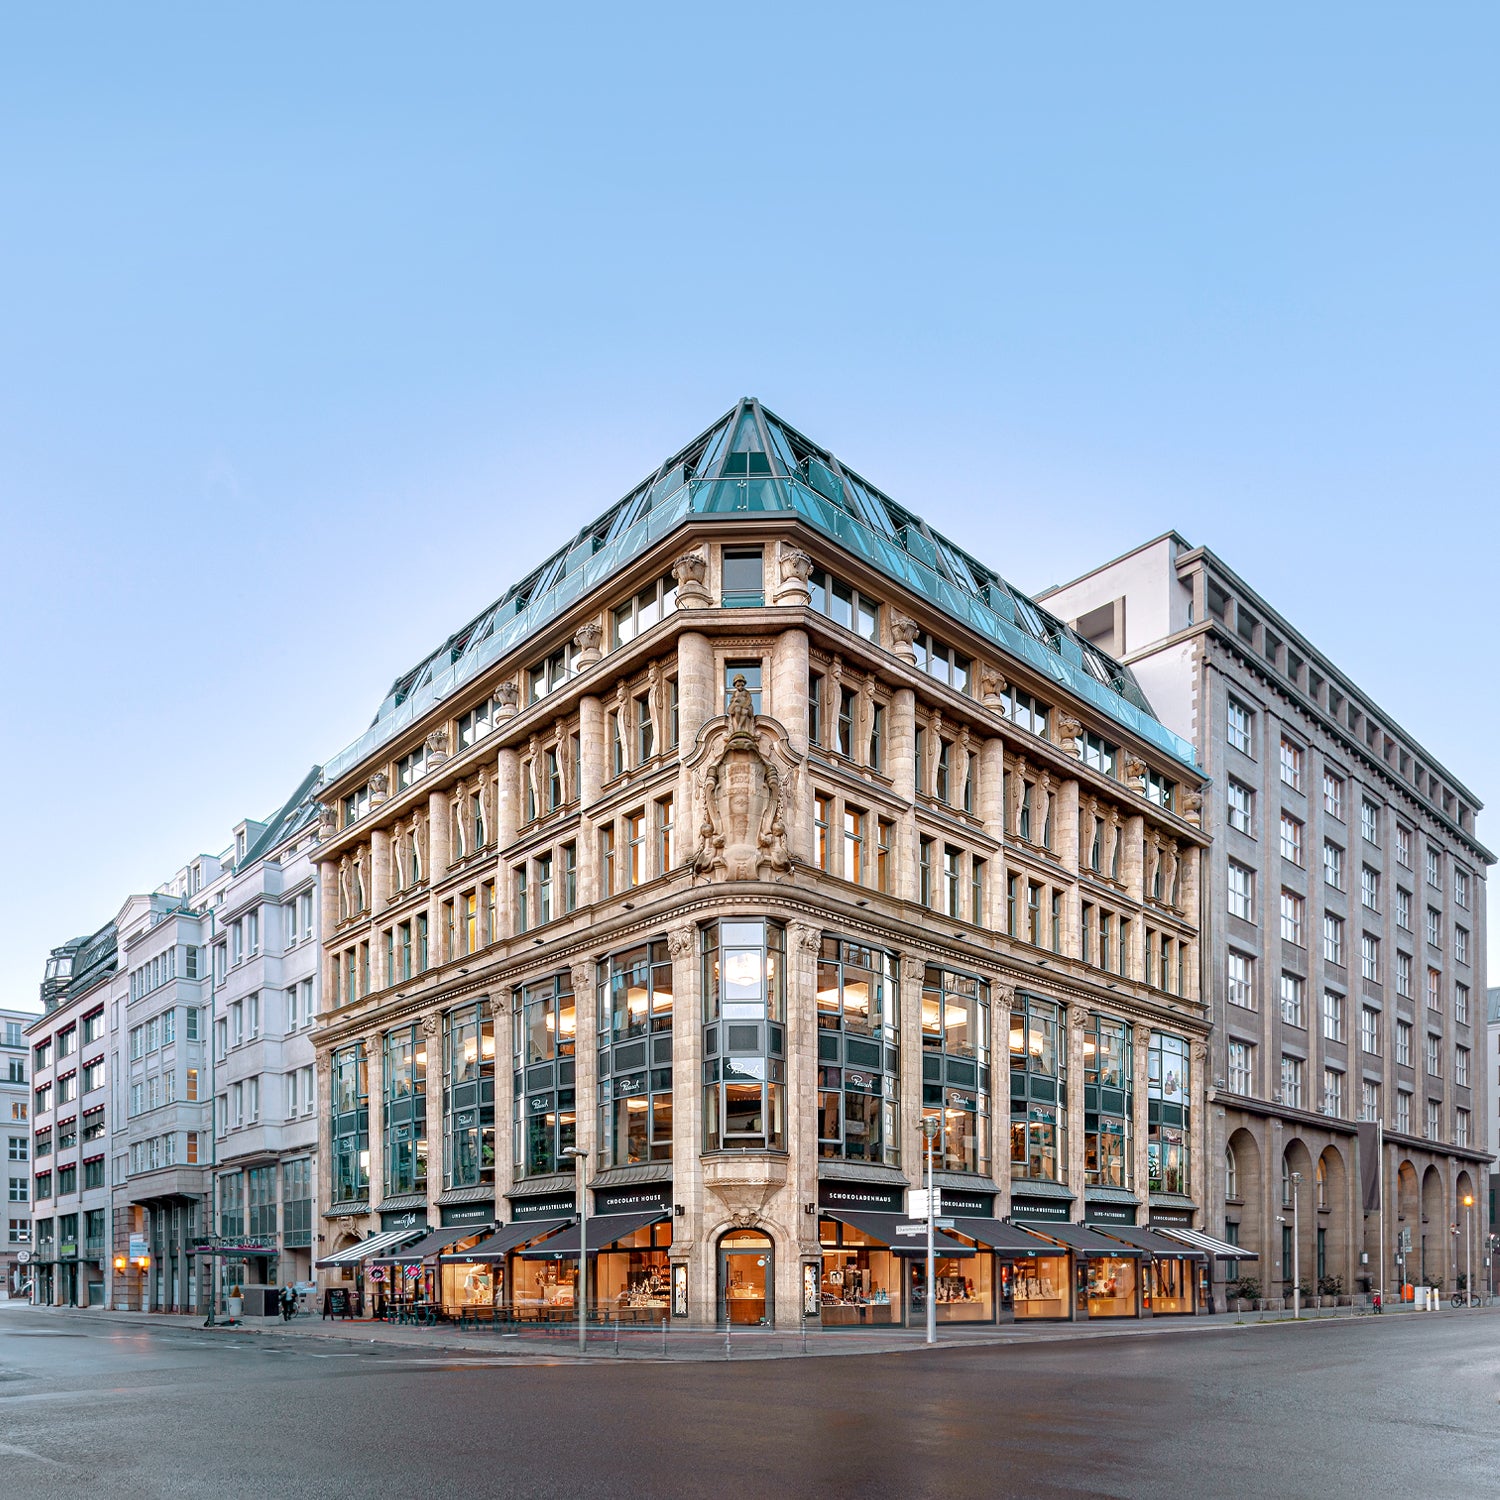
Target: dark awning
882	1227
1219	1249
377	1244
1004	1239
604	1230
1085	1241
432	1243
504	1240
1155	1244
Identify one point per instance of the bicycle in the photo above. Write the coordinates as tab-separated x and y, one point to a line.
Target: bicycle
1472	1298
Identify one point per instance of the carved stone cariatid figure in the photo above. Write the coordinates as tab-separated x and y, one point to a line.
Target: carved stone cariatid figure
1108	862
1153	866
958	777
346	890
1041	830
533	778
1170	865
744	772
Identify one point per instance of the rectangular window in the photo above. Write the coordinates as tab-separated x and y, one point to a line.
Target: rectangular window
1241	891
884	833
523	896
1333	1016
1241	1068
854	844
924	871
822	834
1434	1124
1461	944
570	877
1403	1111
1369	888
1240	984
1403	909
844	604
1433	1056
1241	806
543	889
1369	824
1293	908
1434	927
1333	795
1369	1031
1292	760
1369	957
1403	975
643	610
1333	1093
1369	1100
1240	727
1292	1071
666	858
607	860
1434	868
743	578
1461	1004
1461	1066
551	673
1026	712
1291	839
1292	989
1403	1043
1460	1127
1333	938
1403	846
1461	888
1333	866
1434	990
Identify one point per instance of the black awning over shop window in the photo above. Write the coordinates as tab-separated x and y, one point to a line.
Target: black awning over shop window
882	1227
1154	1244
433	1243
605	1230
1084	1241
505	1239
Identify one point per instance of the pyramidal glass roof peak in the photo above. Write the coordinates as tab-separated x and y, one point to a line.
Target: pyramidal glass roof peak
751	461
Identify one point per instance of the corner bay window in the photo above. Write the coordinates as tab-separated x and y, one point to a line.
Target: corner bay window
744	1036
955	1067
545	1028
635	995
468	1097
1038	1090
349	1124
858	1118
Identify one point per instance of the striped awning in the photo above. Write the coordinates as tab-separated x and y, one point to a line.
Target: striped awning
1219	1249
377	1244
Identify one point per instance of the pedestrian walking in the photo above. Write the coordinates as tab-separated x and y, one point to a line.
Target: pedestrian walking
288	1303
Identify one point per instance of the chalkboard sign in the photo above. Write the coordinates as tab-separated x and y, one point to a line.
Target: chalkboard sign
336	1303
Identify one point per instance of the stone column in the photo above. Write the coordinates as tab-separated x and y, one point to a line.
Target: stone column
1002	997
697	700
804	940
432	1035
1132	875
1201	1172
990	805
375	1081
323	1191
1077	1021
591	768
1065	818
583	974
380	892
690	1242
902	764
913	967
439	836
328	901
1140	1041
790	663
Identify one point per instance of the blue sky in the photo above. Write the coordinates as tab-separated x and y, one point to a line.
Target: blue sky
322	324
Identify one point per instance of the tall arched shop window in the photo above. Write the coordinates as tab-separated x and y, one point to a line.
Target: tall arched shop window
744	1036
1286	1182
1231	1174
1320	1177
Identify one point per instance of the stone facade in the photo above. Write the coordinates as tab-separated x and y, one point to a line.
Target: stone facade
1345	922
788	759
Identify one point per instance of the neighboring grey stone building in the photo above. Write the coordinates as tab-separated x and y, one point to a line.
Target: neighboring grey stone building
757	831
1345	918
15	1129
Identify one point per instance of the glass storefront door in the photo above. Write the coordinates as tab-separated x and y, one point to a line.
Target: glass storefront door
746	1279
1172	1285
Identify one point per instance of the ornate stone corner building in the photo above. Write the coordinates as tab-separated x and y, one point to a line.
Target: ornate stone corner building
756	827
1345	925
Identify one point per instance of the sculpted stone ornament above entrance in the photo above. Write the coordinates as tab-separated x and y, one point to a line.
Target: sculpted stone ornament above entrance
744	775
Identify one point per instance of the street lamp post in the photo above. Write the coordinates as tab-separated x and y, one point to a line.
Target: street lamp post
580	1166
930	1125
1469	1246
1296	1245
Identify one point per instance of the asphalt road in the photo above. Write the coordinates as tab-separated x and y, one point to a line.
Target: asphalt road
1375	1407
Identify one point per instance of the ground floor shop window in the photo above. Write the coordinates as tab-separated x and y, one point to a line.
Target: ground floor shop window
633	1282
859	1283
1172	1285
965	1289
477	1285
543	1288
1042	1287
1111	1286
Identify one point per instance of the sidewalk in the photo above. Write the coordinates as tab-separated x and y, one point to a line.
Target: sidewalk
608	1343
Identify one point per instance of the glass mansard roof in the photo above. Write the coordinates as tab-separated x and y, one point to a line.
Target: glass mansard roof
750	461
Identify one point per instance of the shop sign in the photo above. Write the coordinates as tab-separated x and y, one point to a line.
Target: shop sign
968	1205
1179	1218
377	1273
1108	1213
679	1290
624	1200
861	1195
1053	1210
406	1218
559	1205
468	1213
67	1248
138	1247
